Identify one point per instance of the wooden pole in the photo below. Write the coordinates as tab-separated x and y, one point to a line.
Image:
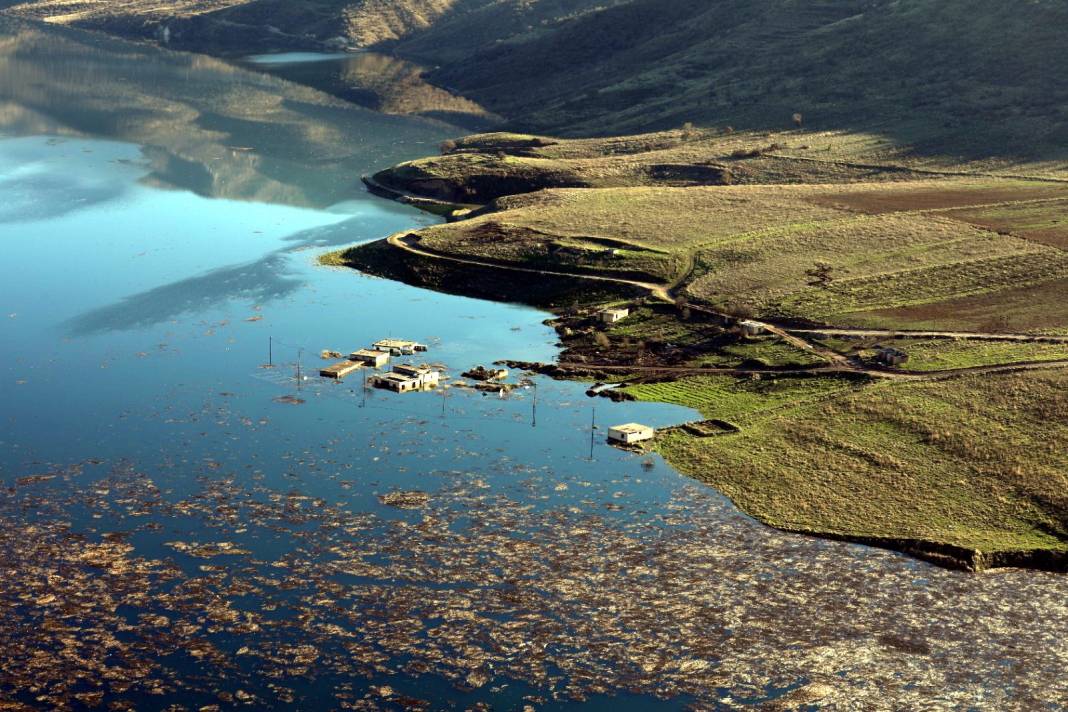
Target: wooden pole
593	429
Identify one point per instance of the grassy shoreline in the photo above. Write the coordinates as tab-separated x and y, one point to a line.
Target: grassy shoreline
964	472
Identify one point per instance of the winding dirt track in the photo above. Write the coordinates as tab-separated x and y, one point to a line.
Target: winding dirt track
838	363
410	243
825	370
964	335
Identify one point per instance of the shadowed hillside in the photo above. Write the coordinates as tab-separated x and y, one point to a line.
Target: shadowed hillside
972	78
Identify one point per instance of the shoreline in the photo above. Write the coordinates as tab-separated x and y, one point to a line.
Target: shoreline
381	259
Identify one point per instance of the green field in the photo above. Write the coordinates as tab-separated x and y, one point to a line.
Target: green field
896	254
946	354
740	401
976	463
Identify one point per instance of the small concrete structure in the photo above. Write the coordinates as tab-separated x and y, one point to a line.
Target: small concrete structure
406	377
426	375
370	357
399	347
481	373
889	356
396	382
630	433
611	316
751	328
340	369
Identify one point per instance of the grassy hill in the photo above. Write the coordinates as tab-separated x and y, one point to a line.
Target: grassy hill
241	26
969	78
740	220
848	232
986	76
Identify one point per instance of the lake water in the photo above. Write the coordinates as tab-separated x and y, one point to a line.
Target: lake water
180	526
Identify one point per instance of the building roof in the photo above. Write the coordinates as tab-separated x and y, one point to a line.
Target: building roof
370	352
617	310
412	368
396	343
397	377
631	428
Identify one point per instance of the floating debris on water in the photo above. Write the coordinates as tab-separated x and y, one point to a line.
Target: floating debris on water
412	499
573	603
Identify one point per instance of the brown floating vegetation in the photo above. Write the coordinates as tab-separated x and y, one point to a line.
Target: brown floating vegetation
482	589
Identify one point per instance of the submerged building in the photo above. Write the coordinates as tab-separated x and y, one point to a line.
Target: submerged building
630	433
399	347
406	377
370	357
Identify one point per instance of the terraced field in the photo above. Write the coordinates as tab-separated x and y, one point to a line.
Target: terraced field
882	254
945	354
1045	223
931	464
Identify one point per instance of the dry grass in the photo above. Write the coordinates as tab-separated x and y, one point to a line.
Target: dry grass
957	462
756	245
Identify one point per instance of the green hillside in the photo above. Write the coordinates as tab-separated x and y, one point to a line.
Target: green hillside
985	76
974	78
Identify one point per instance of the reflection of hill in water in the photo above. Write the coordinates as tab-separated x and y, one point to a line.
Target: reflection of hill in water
387	84
206	125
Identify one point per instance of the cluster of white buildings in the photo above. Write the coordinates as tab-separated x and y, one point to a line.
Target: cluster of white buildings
402	379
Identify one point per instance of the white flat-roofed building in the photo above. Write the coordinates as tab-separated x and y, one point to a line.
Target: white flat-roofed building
370	357
399	347
406	377
611	316
751	328
630	433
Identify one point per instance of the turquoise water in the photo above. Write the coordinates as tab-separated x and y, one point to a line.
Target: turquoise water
128	297
181	526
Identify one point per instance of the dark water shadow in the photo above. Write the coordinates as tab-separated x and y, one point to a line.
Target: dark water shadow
259	281
53	196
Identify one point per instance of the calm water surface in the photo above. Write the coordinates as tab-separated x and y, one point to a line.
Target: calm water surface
181	527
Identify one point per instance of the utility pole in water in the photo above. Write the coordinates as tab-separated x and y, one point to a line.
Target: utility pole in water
593	429
300	353
270	352
534	409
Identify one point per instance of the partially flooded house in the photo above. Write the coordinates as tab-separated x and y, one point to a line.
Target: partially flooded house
399	347
370	357
340	369
406	377
630	433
